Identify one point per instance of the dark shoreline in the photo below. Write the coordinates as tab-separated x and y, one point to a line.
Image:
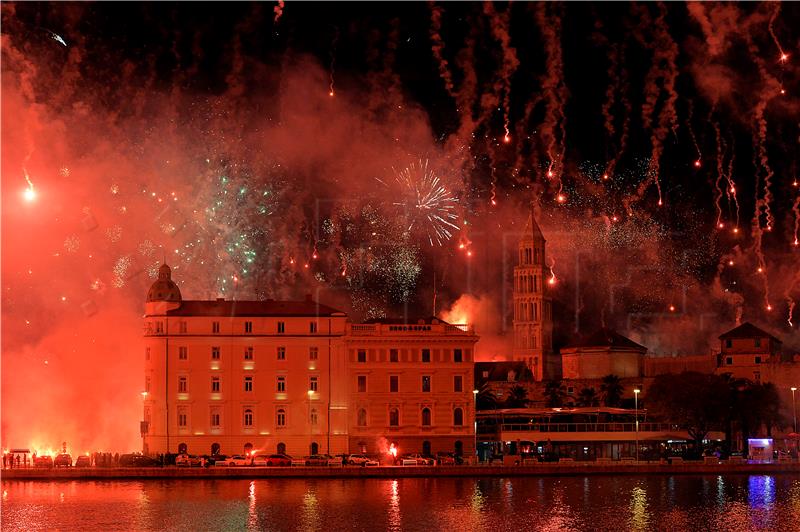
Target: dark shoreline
555	469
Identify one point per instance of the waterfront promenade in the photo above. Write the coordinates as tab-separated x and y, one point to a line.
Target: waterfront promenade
545	469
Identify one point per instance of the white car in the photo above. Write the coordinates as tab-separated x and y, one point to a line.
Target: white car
260	460
361	460
237	460
417	459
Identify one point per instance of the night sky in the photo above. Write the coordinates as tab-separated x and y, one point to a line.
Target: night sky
268	152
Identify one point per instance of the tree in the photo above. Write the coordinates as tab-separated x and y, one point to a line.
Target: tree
611	390
554	393
517	397
588	397
486	400
697	402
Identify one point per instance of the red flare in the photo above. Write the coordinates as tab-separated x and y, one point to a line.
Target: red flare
697	163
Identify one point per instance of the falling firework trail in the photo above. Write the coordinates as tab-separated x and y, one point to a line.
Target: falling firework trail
626	118
500	25
554	89
796	212
720	174
731	188
438	47
278	10
771	27
493	198
332	69
689	114
611	90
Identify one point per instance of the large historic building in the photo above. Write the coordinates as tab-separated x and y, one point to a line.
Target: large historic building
293	376
533	314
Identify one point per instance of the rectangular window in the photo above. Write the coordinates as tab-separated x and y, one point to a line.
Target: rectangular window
215	353
312	384
248	417
182	327
757	376
457	356
215	384
758	360
281	327
215	327
248	384
426	355
159	327
312	327
182	385
182	419
281	417
215	419
393	356
147	384
728	343
147	353
183	352
362	383
426	383
729	361
313	353
458	383
394	383
248	353
248	326
758	342
281	353
281	384
362	355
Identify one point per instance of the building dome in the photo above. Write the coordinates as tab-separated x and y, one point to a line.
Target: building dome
164	289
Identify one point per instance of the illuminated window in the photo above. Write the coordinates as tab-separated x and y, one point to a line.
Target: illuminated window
281	384
215	384
248	417
458	417
248	353
314	417
426	355
281	353
182	327
362	383
394	383
458	383
362	417
147	353
426	383
312	384
182	387
248	384
393	355
281	327
312	327
215	327
248	326
394	417
362	355
281	417
457	356
426	417
183	352
313	353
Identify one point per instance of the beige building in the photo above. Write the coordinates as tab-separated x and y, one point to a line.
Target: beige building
603	353
411	385
228	376
533	314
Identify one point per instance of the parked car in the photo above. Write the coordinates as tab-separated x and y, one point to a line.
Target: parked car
62	460
338	460
83	461
361	460
137	460
187	460
318	460
449	459
43	461
236	460
260	460
417	459
279	460
298	462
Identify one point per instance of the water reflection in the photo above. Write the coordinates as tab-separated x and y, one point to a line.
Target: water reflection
545	503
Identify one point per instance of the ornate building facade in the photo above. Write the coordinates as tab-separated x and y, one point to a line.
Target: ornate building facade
533	313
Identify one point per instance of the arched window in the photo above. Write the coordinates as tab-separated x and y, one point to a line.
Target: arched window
314	417
394	417
182	448
426	417
281	448
314	447
458	417
248	418
281	417
362	417
215	449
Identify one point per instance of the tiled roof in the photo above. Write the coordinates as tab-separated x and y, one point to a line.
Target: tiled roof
269	307
747	330
606	338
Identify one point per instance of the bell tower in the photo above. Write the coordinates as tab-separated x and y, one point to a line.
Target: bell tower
533	316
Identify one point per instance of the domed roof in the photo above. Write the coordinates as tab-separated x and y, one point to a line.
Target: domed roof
164	289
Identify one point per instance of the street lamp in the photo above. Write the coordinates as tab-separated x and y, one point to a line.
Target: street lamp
475	421
636	415
794	409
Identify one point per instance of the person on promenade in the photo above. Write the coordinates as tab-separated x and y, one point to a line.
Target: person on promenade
18	461
4	460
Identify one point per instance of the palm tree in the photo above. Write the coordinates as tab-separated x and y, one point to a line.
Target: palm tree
486	400
588	397
611	390
554	393
517	397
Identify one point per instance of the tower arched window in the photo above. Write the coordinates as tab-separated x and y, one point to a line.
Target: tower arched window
426	417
